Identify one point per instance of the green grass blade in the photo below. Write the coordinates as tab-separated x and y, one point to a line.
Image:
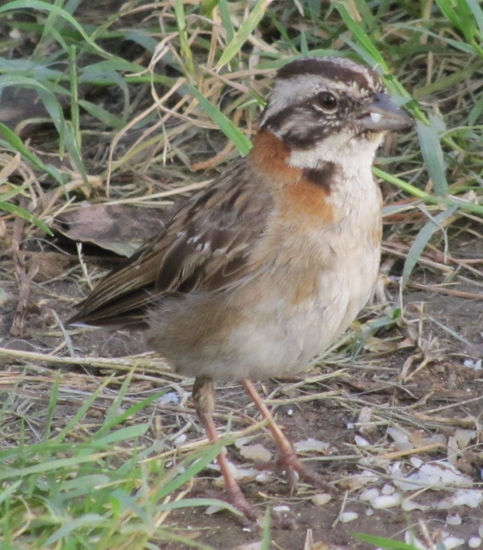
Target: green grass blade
196	502
244	31
242	143
421	241
88	520
205	456
226	20
372	55
382	542
102	114
82	411
433	153
123	434
54	394
50	466
25	215
18	145
475	8
266	536
427	197
186	53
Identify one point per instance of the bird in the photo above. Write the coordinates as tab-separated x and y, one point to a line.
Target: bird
254	275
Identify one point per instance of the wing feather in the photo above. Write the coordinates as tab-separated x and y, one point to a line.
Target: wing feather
205	246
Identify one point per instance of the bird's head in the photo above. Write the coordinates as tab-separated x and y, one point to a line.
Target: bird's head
330	109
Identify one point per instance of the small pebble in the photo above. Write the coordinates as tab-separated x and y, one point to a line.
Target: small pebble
453	519
361	441
257	453
369	494
321	499
250	546
408	505
169	397
346	517
281	508
311	445
388	489
473	364
386	501
180	440
263	477
474	542
452	542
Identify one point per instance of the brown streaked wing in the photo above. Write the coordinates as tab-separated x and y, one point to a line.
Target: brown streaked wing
204	246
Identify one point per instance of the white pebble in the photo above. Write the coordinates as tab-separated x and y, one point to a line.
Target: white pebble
473	364
281	508
453	519
386	501
350	425
474	542
263	477
388	489
180	440
169	397
257	453
397	435
452	542
361	441
321	499
250	546
346	517
311	445
369	494
409	504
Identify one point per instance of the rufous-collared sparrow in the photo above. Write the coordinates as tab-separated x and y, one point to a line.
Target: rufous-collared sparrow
254	275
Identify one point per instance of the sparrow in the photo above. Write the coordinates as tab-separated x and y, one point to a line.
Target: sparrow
256	274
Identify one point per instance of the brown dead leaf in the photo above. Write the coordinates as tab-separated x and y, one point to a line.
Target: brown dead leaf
118	228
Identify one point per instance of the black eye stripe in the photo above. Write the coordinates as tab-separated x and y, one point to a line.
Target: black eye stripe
312	104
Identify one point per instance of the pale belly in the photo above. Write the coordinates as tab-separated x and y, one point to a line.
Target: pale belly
281	337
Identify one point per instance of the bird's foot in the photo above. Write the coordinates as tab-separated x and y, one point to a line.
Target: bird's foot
291	466
240	502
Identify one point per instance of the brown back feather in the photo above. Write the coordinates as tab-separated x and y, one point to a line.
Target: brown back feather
205	246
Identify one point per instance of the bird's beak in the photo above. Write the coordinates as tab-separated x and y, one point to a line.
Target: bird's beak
383	115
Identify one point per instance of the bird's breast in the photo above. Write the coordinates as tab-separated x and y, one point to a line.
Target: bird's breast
318	274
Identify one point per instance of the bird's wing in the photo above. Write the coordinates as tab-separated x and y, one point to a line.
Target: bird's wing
204	247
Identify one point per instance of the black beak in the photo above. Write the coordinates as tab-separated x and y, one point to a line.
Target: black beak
383	115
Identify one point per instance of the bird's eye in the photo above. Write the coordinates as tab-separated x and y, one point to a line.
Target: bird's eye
327	101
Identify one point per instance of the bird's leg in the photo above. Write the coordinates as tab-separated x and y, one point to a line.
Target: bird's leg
204	400
287	457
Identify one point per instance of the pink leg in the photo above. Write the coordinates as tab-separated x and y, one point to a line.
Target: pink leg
287	459
204	399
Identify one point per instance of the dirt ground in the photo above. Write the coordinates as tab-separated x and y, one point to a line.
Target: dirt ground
401	403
